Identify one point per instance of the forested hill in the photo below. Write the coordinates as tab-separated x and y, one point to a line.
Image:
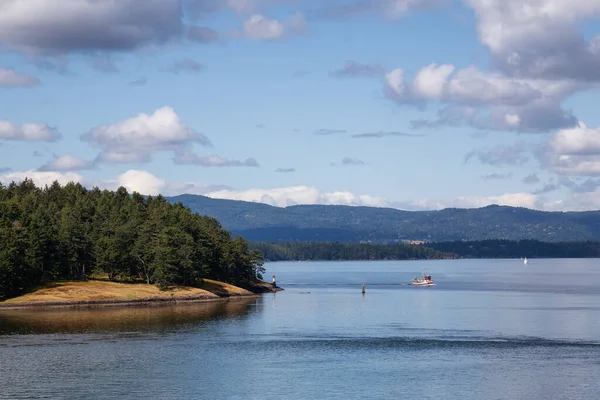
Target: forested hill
71	232
319	223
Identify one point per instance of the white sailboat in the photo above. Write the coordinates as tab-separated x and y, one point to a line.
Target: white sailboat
525	261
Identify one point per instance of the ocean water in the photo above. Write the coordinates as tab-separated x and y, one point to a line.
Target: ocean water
489	329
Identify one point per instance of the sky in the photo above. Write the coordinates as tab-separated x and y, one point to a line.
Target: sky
409	104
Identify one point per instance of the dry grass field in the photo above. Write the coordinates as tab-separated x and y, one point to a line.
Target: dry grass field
99	291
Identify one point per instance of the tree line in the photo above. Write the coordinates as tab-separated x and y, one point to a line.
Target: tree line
306	251
519	248
69	232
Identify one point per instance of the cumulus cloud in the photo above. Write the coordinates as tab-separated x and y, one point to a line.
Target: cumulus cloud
9	78
135	139
539	38
353	69
485	100
573	152
283	197
187	157
59	26
526	200
67	162
580	140
28	132
585	196
574	165
260	27
41	178
146	183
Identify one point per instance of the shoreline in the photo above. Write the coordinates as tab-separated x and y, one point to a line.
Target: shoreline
144	302
97	294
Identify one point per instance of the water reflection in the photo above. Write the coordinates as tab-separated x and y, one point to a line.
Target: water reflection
120	319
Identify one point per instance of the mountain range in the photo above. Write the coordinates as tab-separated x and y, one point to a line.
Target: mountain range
351	224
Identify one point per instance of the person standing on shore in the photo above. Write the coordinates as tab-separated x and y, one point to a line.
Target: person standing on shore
274	284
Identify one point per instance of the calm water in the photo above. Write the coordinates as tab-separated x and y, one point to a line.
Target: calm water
490	329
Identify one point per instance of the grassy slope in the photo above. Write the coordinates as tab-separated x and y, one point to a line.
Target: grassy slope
102	291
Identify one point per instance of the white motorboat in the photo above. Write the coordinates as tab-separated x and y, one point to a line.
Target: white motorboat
425	280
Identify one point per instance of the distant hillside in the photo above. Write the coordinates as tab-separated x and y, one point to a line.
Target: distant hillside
319	223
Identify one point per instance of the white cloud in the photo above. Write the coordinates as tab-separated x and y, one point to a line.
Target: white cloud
394	84
510	199
283	197
28	132
148	184
142	182
9	78
539	38
578	165
583	201
66	162
259	27
573	152
135	139
470	86
586	197
57	26
40	178
576	141
430	82
485	100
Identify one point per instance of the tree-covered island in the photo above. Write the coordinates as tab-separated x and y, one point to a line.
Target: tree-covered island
70	233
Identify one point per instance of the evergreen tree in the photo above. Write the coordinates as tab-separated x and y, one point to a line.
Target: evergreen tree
70	232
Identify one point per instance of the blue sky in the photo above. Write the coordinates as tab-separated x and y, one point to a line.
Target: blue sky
413	104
